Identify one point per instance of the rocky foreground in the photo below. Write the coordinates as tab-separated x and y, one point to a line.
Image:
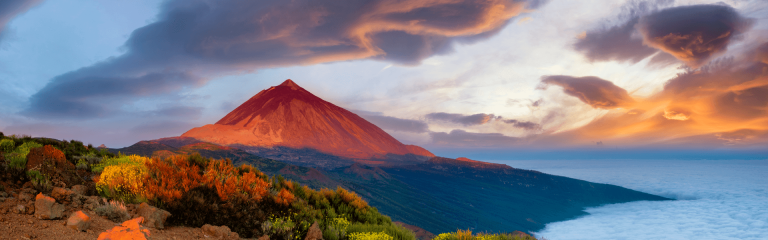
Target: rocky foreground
70	213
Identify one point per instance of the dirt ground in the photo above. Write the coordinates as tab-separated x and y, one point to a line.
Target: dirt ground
25	226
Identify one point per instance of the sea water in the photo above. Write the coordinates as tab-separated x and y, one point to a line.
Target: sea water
715	199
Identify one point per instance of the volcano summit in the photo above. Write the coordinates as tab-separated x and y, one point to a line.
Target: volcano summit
289	116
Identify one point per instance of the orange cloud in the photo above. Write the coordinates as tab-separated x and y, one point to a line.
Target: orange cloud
724	103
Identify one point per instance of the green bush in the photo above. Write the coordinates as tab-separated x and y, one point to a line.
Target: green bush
15	161
7	145
392	230
113	161
40	181
114	211
26	147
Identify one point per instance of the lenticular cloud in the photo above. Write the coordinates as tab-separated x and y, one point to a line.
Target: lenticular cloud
723	199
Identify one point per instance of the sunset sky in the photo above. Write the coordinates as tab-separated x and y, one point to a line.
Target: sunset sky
447	75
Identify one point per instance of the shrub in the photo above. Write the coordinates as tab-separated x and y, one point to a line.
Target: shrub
114	211
336	229
123	181
7	145
280	228
24	148
369	236
168	179
16	161
119	160
40	181
467	235
395	231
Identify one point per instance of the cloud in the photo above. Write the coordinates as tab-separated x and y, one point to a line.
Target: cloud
523	124
596	92
693	34
620	42
393	123
178	112
461	138
195	40
466	120
9	9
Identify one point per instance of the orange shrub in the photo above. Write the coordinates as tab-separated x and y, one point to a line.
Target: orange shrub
222	175
284	198
49	152
167	180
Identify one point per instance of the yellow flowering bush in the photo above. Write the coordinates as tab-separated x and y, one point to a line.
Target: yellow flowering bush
369	236
123	180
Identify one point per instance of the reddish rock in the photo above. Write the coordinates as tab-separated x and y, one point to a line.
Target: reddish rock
79	221
314	233
80	189
47	153
288	115
47	208
61	194
153	217
130	229
220	232
265	237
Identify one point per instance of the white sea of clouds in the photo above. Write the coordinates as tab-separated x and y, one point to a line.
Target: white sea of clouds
717	199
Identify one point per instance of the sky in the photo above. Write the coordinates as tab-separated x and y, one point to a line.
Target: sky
448	75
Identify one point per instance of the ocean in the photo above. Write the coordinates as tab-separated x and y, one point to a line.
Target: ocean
715	199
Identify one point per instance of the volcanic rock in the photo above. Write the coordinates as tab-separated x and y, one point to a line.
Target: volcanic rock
314	233
79	221
47	208
290	116
153	217
130	229
220	232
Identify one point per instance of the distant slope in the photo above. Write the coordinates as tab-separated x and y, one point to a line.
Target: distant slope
444	194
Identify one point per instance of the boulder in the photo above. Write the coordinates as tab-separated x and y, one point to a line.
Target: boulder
154	217
47	208
20	209
79	221
61	194
80	189
314	233
265	237
222	232
25	196
92	202
130	229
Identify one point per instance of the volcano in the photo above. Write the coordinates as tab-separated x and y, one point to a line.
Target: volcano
287	115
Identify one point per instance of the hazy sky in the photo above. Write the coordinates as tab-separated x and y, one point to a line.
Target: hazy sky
443	74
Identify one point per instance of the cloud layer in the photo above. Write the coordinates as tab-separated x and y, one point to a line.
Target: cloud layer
10	9
194	40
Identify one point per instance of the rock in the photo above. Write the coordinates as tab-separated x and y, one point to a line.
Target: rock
222	232
314	233
92	202
20	209
4	194
30	208
25	196
154	217
47	208
80	189
130	229
265	237
61	194
79	221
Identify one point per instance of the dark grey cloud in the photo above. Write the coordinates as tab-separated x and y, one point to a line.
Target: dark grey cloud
9	9
461	138
621	42
523	124
693	34
466	120
393	123
193	40
596	92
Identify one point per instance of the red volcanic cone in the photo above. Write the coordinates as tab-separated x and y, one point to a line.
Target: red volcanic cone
287	115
